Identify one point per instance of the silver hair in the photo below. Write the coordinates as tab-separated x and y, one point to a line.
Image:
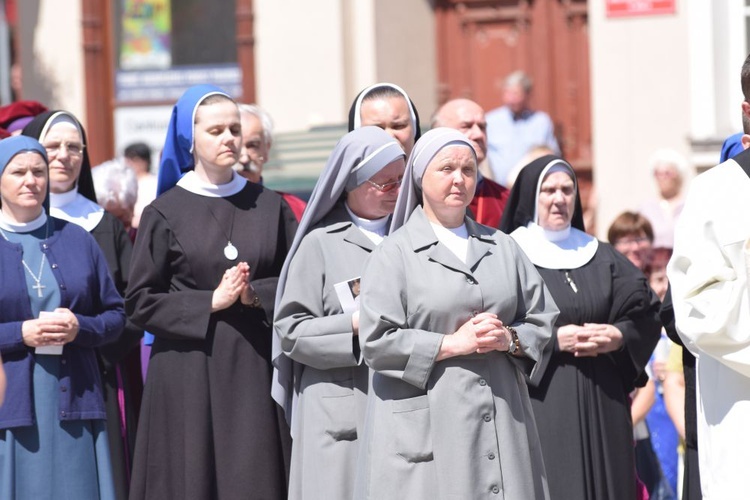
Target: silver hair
115	182
521	79
669	157
265	119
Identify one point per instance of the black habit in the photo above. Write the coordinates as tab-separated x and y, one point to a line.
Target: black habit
209	427
120	361
582	405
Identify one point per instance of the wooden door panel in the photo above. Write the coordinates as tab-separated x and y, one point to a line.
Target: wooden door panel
497	49
480	42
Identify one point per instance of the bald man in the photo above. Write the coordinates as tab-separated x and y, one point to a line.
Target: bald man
467	117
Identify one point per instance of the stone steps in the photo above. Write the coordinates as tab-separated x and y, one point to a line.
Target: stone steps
297	158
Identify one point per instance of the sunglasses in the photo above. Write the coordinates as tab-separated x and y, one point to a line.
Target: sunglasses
388	186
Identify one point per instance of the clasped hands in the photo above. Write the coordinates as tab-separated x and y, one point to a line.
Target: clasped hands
589	340
58	329
235	284
480	334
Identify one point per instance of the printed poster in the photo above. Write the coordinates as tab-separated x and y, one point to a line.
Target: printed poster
146	35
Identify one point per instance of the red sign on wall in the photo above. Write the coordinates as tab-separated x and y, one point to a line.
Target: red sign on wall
623	8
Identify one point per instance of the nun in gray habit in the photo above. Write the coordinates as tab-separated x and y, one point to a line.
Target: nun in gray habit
316	348
453	318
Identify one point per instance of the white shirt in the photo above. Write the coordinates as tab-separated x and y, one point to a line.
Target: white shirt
455	238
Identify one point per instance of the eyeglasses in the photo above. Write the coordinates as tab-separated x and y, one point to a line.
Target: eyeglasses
388	186
73	148
631	241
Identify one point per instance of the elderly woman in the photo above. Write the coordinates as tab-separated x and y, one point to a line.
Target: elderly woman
453	317
671	171
607	328
116	187
57	304
207	258
73	198
346	219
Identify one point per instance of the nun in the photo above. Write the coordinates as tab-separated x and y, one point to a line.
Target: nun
453	318
605	333
57	304
317	319
72	198
205	267
386	105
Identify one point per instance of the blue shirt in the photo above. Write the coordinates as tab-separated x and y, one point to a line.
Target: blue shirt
509	139
86	288
732	146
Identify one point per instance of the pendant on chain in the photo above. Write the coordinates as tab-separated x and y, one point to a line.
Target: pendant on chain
230	251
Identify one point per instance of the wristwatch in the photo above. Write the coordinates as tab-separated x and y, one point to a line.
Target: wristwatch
514	347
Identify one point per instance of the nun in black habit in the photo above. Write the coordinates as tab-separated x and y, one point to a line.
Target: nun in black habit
607	328
388	106
205	267
72	198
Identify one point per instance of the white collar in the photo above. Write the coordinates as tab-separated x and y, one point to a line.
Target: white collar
58	200
191	182
374	225
76	208
554	236
556	249
374	229
22	227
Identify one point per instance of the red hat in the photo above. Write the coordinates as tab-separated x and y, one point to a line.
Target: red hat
17	115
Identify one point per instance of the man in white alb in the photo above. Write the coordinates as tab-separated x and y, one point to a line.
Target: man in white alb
709	278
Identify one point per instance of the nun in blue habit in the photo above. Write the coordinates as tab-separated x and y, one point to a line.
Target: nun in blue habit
53	439
203	279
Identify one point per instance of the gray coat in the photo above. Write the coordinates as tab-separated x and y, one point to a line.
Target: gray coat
461	428
330	379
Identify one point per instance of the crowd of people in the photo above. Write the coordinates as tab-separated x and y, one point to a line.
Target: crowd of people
434	322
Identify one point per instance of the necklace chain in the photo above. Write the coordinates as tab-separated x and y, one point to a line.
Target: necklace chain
230	251
38	287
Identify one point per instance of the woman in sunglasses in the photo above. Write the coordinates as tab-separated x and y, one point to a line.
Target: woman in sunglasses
322	382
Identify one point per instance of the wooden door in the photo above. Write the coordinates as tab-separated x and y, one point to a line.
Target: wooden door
480	42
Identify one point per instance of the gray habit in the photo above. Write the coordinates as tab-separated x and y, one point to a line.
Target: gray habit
461	428
317	334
